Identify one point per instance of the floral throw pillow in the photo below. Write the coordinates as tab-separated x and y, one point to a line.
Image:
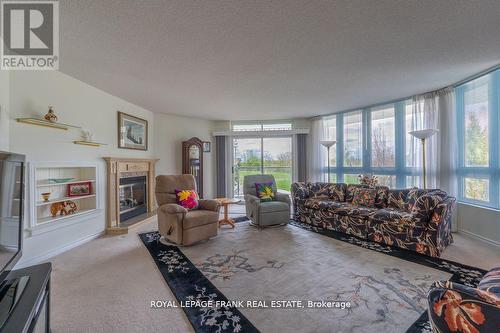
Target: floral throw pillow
364	197
187	199
265	191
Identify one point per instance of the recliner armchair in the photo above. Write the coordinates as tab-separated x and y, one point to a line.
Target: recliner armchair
177	224
268	213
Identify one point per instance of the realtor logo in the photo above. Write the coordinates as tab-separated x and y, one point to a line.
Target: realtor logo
30	35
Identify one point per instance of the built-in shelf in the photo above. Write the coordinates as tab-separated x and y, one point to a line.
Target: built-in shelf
48	202
45	183
45	123
49	219
41	174
89	143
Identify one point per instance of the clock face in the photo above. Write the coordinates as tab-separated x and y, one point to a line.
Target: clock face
194	152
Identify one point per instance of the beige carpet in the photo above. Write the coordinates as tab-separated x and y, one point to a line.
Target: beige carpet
106	285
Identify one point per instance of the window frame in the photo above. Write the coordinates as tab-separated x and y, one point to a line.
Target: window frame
492	171
399	170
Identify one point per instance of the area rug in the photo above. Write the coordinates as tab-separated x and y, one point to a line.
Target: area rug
385	286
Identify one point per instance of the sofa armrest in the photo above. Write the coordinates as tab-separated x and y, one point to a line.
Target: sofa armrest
283	197
173	209
453	305
300	191
442	214
209	204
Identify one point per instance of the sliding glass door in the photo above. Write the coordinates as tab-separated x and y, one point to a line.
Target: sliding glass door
262	155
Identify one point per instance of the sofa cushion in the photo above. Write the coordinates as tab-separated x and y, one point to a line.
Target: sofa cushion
416	193
265	192
394	216
337	192
351	189
196	218
339	208
273	206
334	191
397	198
382	196
321	203
491	282
364	197
424	206
319	190
187	199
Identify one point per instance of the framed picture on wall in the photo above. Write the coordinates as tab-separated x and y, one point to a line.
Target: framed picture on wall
206	146
132	132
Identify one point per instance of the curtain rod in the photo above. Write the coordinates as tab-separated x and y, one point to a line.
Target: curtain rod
454	85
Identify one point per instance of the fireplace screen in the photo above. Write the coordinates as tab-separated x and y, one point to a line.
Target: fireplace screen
133	197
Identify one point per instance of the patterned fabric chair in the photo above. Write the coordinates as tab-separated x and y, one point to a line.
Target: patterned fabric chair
269	213
413	219
454	307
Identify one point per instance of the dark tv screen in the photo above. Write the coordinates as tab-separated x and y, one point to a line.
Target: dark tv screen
11	209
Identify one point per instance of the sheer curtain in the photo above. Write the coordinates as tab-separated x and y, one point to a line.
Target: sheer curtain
317	152
436	110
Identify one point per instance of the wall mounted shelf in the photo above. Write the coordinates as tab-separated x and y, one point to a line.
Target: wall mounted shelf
89	143
45	123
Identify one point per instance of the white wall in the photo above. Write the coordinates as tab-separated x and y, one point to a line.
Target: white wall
75	103
480	222
4	109
170	131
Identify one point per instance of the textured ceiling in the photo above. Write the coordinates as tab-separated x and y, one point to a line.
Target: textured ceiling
237	60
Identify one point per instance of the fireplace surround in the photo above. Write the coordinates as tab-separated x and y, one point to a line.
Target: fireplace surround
130	193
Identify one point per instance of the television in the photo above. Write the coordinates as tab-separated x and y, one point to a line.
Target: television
11	227
11	210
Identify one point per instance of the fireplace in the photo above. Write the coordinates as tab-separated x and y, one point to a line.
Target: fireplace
133	197
130	195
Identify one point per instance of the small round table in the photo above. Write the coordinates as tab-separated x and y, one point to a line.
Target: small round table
225	202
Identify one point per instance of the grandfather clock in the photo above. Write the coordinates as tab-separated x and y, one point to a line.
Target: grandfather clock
192	161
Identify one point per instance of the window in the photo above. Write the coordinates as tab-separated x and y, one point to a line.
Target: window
476	189
383	144
247	127
478	114
277	127
351	179
353	139
267	155
262	126
476	126
331	134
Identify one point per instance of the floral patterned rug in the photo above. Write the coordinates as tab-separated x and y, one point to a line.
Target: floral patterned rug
292	263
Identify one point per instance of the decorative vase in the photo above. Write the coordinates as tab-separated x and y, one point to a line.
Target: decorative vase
46	196
51	116
87	135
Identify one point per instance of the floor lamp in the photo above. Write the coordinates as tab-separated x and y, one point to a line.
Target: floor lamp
327	144
423	135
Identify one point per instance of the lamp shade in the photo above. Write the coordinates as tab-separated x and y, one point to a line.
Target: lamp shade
327	143
424	134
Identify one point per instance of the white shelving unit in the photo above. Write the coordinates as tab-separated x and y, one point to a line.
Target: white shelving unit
42	177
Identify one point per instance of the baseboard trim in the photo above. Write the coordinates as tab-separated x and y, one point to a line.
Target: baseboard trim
59	250
481	238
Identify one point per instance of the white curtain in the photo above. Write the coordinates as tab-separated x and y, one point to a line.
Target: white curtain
317	151
436	110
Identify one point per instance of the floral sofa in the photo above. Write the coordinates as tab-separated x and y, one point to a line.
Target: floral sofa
454	307
413	219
